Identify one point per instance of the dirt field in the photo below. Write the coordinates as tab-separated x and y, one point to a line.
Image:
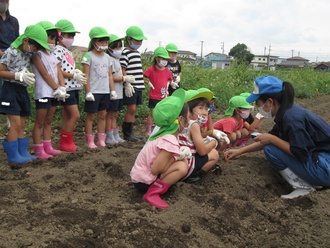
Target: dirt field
86	199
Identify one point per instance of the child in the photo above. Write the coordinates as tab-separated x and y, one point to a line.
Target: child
158	77
49	83
204	154
162	162
14	97
174	66
73	79
115	50
298	146
250	123
131	64
233	122
97	66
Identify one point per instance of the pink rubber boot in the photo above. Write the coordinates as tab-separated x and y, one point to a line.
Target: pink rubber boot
40	152
101	139
90	141
49	148
156	189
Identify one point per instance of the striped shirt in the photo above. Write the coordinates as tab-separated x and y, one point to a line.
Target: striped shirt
184	140
131	61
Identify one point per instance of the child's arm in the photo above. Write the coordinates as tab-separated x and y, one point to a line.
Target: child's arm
43	72
162	162
209	131
113	94
201	148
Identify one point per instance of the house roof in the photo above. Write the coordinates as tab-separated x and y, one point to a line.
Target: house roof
297	58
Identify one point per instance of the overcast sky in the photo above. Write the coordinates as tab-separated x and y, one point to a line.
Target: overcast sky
287	27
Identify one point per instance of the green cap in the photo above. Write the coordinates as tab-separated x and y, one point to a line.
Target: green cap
66	26
237	102
34	32
97	32
136	33
202	92
171	48
161	52
114	38
48	25
245	94
166	113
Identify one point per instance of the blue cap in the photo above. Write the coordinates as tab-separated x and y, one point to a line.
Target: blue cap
265	85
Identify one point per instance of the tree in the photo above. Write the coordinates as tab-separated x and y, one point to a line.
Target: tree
241	53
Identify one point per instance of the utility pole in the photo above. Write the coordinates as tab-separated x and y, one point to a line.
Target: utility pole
292	53
202	49
222	47
268	60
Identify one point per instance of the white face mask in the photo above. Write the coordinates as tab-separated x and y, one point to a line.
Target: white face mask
116	53
100	48
3	7
162	63
245	113
201	119
267	115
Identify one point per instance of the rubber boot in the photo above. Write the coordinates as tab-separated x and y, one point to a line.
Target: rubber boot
48	147
128	132
40	152
110	138
101	139
13	156
301	187
23	144
116	135
148	129
152	196
66	142
90	141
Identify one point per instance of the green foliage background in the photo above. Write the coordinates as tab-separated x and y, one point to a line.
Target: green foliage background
224	83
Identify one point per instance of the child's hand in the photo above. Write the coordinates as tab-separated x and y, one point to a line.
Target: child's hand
151	85
184	153
208	139
174	85
221	136
79	76
90	97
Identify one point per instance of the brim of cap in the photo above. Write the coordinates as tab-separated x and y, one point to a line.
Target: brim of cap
207	95
252	98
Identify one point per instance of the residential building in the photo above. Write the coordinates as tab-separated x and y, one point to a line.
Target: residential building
294	62
216	61
261	62
323	66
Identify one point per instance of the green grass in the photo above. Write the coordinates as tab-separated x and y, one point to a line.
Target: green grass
224	83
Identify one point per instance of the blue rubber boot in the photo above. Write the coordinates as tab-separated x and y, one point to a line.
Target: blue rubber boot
13	156
23	144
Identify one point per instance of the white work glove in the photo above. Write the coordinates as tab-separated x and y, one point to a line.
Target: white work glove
151	85
26	77
128	79
79	76
177	80
259	116
129	90
60	94
113	95
174	85
90	97
184	153
221	136
208	139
